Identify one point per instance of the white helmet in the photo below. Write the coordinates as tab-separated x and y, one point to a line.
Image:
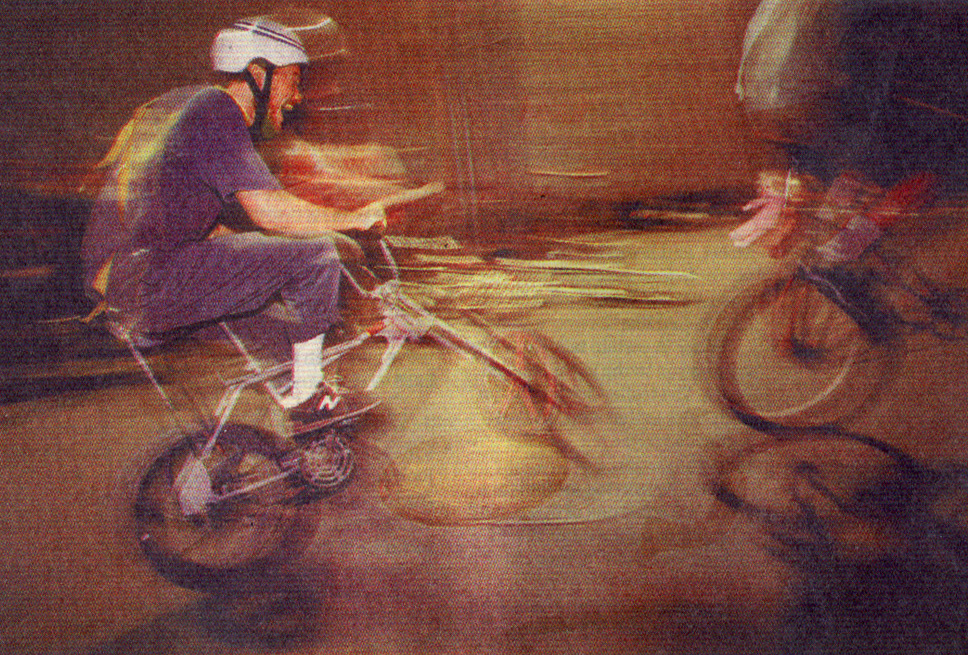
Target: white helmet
256	38
320	34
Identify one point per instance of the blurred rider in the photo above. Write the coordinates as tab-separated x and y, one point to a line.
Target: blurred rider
152	250
323	155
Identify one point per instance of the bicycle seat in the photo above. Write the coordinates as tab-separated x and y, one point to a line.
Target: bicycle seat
126	328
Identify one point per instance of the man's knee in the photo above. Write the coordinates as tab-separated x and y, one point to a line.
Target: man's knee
285	253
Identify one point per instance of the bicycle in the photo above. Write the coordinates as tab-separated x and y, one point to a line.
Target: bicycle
512	286
223	501
815	342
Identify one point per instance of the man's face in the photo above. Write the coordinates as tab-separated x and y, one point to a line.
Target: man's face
323	114
322	83
284	96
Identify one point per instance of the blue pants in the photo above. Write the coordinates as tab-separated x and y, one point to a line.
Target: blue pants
229	276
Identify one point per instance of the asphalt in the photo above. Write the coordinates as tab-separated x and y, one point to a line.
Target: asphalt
456	537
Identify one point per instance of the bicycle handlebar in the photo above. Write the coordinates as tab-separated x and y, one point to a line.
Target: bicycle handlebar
409	195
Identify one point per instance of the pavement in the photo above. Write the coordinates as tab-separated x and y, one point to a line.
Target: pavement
456	537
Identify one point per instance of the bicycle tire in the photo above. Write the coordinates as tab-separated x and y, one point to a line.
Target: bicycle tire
559	386
782	354
232	539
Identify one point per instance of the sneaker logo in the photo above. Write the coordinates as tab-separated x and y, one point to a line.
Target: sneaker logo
328	402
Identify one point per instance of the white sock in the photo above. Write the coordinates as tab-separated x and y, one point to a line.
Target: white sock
307	370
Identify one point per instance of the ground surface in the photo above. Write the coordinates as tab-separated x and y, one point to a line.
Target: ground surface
631	554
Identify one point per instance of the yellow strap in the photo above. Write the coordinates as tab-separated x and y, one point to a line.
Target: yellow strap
99	309
100	285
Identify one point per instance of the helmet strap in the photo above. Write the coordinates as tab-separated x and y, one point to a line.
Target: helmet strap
261	97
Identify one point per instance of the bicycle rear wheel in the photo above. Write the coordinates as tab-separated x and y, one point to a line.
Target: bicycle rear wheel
233	537
784	354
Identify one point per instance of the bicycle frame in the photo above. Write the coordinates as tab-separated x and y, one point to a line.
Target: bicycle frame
880	318
403	320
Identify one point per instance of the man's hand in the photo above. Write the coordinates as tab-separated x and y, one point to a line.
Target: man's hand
370	217
280	212
374	215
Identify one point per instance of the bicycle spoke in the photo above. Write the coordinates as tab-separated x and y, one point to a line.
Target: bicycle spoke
536	386
245	526
787	354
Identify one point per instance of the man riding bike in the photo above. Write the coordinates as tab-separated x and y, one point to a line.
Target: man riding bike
153	252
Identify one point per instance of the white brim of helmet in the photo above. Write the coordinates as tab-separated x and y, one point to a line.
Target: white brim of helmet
256	38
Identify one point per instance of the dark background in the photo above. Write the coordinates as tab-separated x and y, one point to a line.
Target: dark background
526	109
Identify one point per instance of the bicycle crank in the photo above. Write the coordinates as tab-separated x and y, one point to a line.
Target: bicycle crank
326	463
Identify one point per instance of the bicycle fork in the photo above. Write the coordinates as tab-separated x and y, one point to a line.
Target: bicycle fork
861	307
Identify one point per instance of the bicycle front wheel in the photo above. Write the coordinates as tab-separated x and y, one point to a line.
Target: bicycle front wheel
535	384
245	528
784	354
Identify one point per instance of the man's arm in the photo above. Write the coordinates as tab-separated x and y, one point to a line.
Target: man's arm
279	211
340	192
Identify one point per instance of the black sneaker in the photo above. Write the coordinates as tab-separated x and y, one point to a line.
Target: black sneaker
329	405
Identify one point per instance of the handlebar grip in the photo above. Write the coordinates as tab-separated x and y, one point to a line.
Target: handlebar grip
376	328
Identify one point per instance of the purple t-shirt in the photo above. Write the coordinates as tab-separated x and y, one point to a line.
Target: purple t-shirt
175	166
